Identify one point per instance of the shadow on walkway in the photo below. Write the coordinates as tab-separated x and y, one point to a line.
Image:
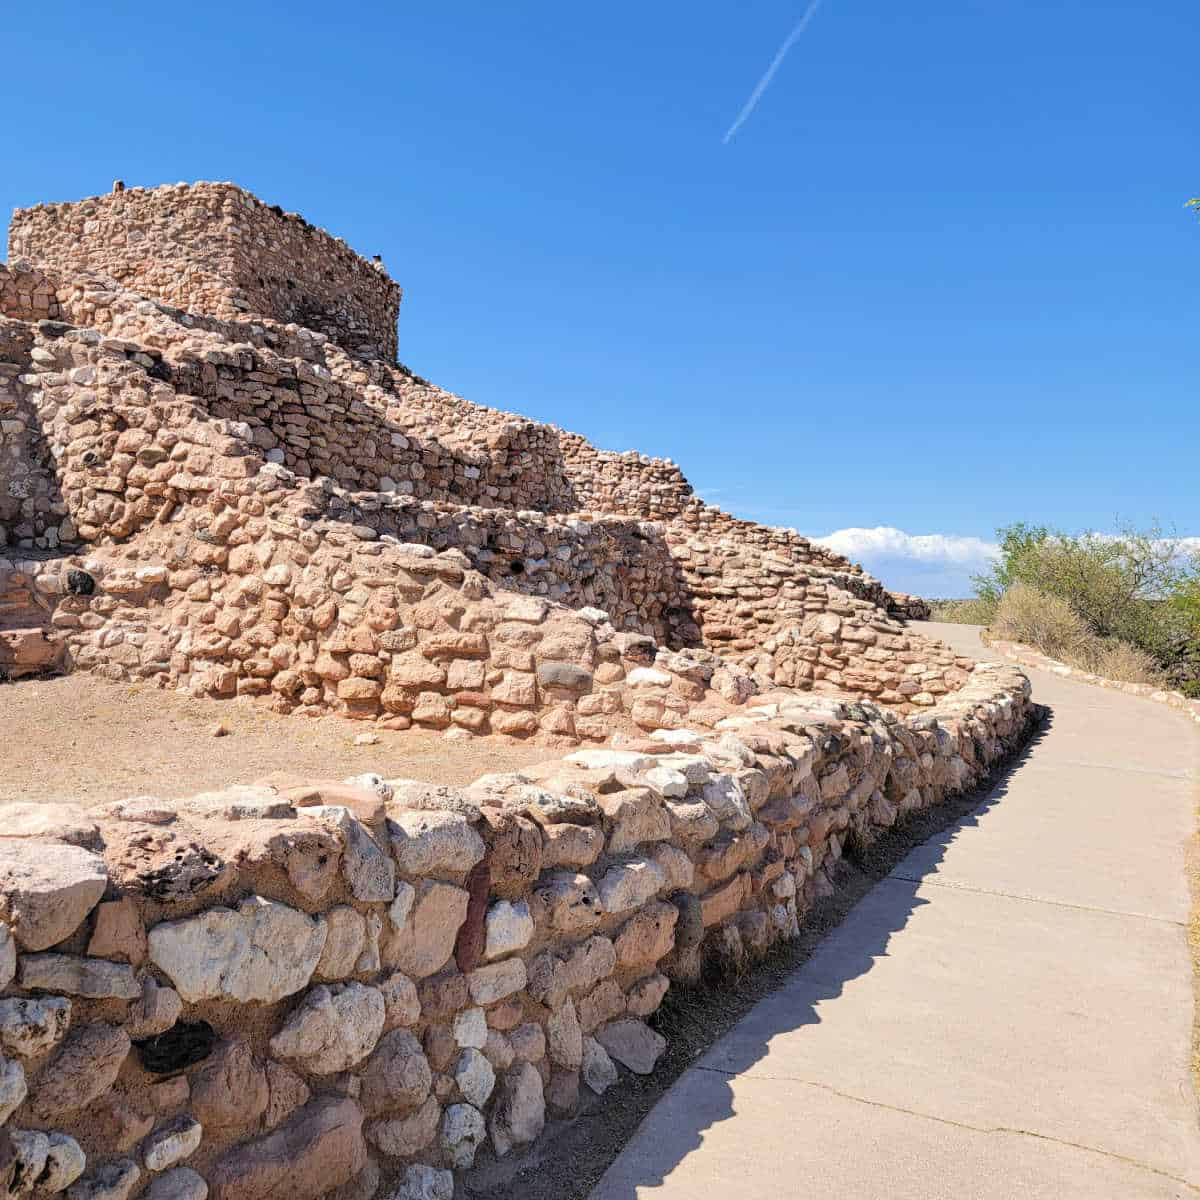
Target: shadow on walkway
780	995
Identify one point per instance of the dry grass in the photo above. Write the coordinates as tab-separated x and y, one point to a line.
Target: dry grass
962	612
1052	626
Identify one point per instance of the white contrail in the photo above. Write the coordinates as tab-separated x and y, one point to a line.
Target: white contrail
765	81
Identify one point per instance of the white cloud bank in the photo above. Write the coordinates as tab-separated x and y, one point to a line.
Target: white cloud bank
930	564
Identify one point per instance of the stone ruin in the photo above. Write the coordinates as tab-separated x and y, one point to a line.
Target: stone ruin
215	476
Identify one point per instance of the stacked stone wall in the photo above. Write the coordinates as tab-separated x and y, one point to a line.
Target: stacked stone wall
218	250
360	988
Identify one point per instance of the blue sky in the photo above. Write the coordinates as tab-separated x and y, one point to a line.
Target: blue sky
940	279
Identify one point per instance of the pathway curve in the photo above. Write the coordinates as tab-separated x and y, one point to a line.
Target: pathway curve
1008	1014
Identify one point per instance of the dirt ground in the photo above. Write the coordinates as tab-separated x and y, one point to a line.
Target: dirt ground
83	739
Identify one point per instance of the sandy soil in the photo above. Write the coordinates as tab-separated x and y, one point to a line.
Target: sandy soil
80	738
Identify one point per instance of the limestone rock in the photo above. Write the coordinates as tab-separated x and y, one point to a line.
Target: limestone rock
171	1143
401	1002
520	1113
261	951
65	1162
630	885
570	902
119	932
598	1070
8	956
563	1036
474	1076
528	1042
29	1027
496	981
334	1029
155	1011
470	1028
286	1092
46	889
509	928
319	1149
95	978
647	936
426	942
229	1091
30	1149
463	1131
113	1181
404	1137
368	869
344	942
434	843
424	1183
86	1066
397	1076
632	1044
182	1183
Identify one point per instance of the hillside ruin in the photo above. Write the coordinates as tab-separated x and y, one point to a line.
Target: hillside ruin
217	477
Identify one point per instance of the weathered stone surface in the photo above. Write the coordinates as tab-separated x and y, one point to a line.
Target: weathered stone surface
405	1136
46	889
633	1044
85	1067
520	1112
509	928
630	885
563	1036
647	936
496	981
112	1181
528	1042
119	933
724	796
157	1009
426	942
499	1050
286	1093
65	1162
598	1070
8	956
470	1028
171	1143
118	1125
424	1183
95	978
562	1093
334	1029
345	940
230	1088
463	1131
163	864
603	1003
49	821
514	852
433	843
29	1027
261	950
570	903
589	963
638	816
401	1002
566	845
397	1076
368	869
30	1149
319	1149
474	1077
646	995
182	1183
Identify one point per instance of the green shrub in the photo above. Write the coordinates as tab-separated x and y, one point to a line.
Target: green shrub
962	612
1025	614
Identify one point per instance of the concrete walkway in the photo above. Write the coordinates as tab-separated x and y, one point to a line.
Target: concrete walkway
1007	1015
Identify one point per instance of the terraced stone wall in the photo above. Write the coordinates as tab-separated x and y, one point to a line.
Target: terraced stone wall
215	249
355	989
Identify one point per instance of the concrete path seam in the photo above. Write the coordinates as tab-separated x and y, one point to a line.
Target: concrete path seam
966	887
984	1129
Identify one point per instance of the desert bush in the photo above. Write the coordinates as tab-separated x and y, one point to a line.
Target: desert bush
1130	588
1114	659
963	612
1025	614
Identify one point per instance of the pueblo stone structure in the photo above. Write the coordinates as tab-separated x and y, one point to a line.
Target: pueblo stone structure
215	476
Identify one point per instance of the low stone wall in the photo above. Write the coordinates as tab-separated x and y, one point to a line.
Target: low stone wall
1030	656
317	988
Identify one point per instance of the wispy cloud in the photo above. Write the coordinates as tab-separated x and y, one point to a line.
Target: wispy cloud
769	74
